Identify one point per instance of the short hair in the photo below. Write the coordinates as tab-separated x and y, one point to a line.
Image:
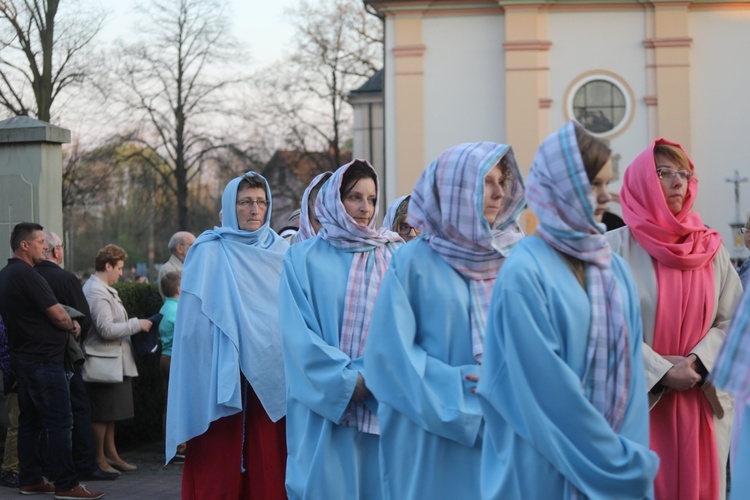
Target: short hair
251	181
52	240
176	239
674	153
401	213
23	231
170	282
356	171
594	152
111	254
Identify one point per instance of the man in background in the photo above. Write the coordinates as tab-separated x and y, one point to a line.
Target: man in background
38	329
179	244
68	291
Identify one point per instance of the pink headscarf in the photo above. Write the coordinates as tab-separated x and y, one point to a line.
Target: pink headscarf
683	249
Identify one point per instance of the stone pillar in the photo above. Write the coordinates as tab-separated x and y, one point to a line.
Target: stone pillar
527	87
668	59
30	176
408	51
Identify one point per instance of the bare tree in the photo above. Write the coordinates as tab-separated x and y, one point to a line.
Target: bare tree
338	47
42	52
176	84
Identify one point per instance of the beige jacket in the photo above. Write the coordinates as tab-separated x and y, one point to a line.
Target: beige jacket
172	265
728	292
110	323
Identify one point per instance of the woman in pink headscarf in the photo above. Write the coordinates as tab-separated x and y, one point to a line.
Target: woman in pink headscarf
688	290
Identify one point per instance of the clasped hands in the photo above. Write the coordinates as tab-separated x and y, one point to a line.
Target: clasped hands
685	374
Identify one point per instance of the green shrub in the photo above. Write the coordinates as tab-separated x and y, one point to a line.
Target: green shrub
142	300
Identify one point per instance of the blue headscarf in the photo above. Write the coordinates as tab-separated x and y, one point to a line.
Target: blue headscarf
390	214
231	280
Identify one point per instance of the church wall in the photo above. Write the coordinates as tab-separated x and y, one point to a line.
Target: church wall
464	81
720	79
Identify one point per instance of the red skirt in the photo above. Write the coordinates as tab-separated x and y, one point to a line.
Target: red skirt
212	460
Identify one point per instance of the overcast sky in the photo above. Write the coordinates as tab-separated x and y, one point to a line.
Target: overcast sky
257	24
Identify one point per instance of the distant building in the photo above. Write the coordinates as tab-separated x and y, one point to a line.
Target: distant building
513	71
289	173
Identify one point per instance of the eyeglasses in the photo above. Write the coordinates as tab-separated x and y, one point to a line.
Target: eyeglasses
244	203
744	230
666	173
404	229
61	247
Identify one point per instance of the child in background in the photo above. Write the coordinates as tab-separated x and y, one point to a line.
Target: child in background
170	284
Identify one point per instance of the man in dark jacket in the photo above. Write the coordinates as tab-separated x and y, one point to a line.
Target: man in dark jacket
68	291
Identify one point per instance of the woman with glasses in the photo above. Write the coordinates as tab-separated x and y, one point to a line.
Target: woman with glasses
227	394
562	379
688	291
328	288
395	219
424	355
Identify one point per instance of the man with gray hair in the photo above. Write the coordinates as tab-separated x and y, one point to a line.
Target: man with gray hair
68	291
179	244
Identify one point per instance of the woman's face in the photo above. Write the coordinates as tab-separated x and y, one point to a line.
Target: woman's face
252	207
407	231
360	201
600	187
673	184
314	221
114	272
493	194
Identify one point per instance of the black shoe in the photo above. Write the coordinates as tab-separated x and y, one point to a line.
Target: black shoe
99	475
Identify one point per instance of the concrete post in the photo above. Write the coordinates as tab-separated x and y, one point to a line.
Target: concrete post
30	176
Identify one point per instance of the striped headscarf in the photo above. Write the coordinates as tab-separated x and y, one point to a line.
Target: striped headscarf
732	368
306	230
447	206
372	251
559	193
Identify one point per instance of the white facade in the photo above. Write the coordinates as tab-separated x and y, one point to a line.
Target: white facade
453	72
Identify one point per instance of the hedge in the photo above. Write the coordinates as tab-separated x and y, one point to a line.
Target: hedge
142	300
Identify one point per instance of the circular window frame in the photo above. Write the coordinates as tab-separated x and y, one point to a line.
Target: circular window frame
615	80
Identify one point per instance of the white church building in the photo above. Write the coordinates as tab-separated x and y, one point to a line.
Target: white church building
514	71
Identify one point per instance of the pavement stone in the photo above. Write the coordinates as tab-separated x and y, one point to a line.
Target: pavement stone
150	481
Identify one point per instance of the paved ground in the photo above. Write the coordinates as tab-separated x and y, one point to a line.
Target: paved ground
151	481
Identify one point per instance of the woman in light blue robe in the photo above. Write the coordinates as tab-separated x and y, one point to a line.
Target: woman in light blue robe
732	374
421	347
327	290
562	385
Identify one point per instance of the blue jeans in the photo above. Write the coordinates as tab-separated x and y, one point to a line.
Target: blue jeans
83	442
44	401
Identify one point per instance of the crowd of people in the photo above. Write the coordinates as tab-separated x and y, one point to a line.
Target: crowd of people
442	354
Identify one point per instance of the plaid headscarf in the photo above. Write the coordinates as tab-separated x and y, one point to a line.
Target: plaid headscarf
559	193
372	251
306	230
447	207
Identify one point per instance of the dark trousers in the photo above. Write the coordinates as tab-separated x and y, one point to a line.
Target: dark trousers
84	457
44	401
